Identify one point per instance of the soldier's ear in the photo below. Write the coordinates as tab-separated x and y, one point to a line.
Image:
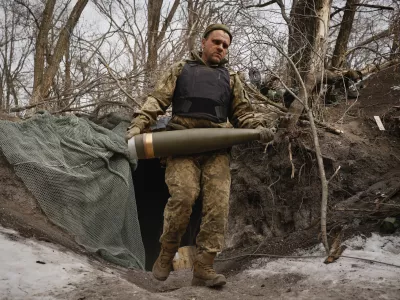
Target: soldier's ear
203	42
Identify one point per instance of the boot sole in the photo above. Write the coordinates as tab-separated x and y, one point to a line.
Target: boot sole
160	278
215	282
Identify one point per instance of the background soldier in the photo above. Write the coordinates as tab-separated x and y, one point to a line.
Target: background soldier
203	94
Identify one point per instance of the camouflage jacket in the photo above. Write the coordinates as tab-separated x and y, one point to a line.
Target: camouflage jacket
241	113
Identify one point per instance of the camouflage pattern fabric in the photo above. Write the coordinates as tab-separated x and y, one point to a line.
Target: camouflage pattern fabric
204	175
187	177
241	113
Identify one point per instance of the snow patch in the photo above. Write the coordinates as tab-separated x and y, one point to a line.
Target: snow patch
36	270
380	248
395	87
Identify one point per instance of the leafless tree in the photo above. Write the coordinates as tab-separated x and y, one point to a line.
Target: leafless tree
44	75
77	69
305	54
16	44
395	48
339	54
368	28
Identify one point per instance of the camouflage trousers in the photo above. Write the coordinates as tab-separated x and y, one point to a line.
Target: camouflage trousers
187	178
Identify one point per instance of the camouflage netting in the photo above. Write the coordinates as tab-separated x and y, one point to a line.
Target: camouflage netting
81	178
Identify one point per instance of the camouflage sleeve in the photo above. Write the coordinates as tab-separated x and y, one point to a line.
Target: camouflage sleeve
160	99
242	114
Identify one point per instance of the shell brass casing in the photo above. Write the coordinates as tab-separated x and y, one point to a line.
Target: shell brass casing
189	141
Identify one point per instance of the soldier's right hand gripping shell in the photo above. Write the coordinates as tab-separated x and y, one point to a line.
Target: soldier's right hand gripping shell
131	132
266	134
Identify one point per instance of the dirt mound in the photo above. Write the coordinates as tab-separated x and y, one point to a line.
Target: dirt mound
380	97
268	205
382	92
391	121
19	210
275	213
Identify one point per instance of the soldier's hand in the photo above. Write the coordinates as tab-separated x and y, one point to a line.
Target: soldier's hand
131	132
266	134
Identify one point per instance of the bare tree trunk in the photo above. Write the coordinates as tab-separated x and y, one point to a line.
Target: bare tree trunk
167	22
307	47
191	35
58	52
6	62
395	49
14	50
1	92
42	44
155	37
153	20
339	54
10	79
9	58
302	35
199	13
67	81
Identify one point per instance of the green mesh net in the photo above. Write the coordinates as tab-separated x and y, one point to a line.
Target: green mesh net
81	177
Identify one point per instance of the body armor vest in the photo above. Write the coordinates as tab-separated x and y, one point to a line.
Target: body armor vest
202	92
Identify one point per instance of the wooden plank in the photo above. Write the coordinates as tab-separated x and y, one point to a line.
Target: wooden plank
379	122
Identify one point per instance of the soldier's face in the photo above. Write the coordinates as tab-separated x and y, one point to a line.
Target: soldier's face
215	47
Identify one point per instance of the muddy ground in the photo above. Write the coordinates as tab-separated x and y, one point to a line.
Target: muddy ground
271	212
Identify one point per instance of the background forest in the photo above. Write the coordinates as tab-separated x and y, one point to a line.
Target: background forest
77	55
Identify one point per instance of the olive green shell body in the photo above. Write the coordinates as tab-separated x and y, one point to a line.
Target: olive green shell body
189	141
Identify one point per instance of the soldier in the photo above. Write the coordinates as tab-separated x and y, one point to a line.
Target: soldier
342	86
203	94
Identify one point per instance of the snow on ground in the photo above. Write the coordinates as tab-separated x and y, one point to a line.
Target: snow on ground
359	273
35	270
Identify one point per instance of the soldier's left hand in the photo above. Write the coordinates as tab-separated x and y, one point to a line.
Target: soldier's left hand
266	134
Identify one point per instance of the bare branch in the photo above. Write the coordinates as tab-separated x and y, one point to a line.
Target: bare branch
378	36
101	60
262	4
167	21
373	68
29	10
375	6
283	12
98	106
338	10
377	52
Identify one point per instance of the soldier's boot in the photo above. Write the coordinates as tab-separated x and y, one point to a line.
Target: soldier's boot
204	273
163	265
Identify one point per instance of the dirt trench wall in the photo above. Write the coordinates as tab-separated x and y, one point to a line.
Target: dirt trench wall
266	202
20	211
